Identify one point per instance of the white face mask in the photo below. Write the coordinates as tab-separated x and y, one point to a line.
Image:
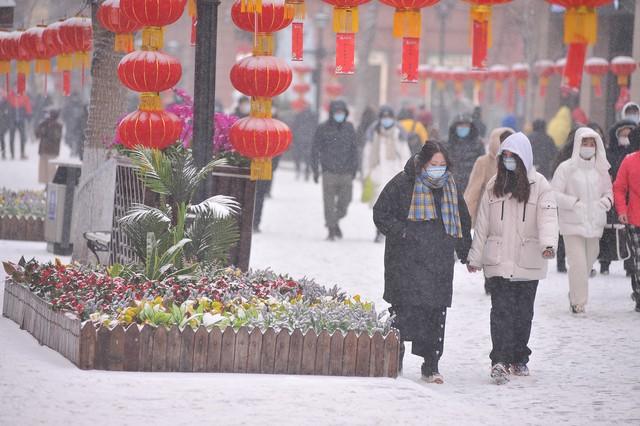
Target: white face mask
633	117
624	141
587	152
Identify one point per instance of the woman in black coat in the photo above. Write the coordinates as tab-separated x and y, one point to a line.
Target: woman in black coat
422	213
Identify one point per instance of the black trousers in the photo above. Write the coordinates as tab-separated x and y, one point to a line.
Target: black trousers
511	316
20	128
424	327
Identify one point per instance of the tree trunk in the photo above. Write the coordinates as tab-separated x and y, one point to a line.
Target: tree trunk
94	198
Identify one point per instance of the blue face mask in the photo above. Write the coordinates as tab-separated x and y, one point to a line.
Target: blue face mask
510	163
463	131
339	117
387	122
434	172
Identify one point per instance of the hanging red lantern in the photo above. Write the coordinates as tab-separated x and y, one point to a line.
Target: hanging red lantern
77	33
458	76
334	90
623	67
345	24
478	77
274	17
260	139
440	76
38	49
112	17
149	71
150	129
5	60
580	30
499	74
425	73
153	15
23	65
521	73
301	88
297	11
62	52
597	68
481	30
407	24
261	78
544	69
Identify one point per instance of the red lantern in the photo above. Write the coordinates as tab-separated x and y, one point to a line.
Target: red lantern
76	33
544	69
521	74
153	15
481	30
112	17
150	129
5	60
580	30
297	11
275	16
301	88
345	25
407	24
262	78
334	90
149	71
596	68
260	139
499	74
458	75
623	67
23	65
34	41
62	52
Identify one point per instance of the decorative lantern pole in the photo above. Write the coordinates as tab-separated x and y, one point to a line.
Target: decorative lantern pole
499	74
346	24
481	30
407	24
544	69
623	67
580	30
520	72
112	17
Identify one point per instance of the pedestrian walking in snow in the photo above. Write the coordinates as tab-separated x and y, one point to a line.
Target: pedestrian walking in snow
423	215
49	132
544	150
516	232
484	169
584	195
627	202
464	147
385	152
334	149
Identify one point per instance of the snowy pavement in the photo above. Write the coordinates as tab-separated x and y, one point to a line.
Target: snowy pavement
585	370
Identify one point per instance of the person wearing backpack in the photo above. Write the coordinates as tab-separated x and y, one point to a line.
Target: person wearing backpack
416	133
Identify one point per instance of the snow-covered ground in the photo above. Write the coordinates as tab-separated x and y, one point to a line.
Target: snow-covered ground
585	370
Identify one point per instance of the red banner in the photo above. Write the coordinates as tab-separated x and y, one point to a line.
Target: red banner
572	76
345	53
410	59
297	41
480	44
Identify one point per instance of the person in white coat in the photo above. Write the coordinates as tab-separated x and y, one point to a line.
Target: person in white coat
385	153
584	194
516	231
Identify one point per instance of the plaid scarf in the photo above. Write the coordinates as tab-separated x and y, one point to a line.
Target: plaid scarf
423	206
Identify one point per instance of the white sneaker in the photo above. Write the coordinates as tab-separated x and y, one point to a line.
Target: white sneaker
434	378
500	374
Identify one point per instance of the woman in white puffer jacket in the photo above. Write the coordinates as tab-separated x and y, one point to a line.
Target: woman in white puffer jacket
584	194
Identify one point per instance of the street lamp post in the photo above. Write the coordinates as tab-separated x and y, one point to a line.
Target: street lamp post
444	9
320	19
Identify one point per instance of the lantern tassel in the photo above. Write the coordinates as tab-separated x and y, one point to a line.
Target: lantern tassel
407	23
345	20
123	43
152	38
580	25
261	169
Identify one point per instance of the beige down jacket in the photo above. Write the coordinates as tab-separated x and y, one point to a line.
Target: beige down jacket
510	236
483	170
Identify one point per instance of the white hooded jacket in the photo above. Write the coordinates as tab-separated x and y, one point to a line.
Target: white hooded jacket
583	189
510	236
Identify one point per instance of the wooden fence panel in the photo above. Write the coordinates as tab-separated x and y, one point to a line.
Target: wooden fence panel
295	352
228	350
87	346
336	355
350	352
186	349
363	357
281	363
323	354
200	346
242	351
376	365
255	351
102	348
146	348
21	228
391	352
214	352
115	358
132	348
308	365
268	355
174	343
159	356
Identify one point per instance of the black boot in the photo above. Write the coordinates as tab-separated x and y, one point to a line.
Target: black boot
338	232
379	237
332	234
604	268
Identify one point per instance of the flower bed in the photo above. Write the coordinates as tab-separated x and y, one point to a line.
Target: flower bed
22	215
224	321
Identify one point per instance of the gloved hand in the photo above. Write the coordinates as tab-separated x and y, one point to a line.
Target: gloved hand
316	178
605	203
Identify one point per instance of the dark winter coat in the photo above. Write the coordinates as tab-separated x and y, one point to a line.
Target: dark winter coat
544	151
334	145
419	256
463	153
303	129
615	152
49	132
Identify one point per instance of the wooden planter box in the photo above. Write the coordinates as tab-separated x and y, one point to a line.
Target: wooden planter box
230	181
146	348
21	228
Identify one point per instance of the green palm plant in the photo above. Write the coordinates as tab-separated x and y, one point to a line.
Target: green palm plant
174	238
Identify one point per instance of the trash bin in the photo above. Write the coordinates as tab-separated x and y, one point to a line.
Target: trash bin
60	193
